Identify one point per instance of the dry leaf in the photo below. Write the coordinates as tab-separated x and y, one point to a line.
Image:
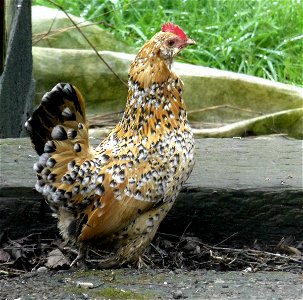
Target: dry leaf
4	256
56	259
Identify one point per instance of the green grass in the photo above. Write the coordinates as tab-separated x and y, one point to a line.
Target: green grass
257	37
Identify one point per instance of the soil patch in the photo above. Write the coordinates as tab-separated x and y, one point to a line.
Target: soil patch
177	267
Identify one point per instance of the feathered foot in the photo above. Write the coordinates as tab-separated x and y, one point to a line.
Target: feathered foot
80	260
144	262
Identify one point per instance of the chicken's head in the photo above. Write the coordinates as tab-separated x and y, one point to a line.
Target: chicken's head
172	40
153	62
165	45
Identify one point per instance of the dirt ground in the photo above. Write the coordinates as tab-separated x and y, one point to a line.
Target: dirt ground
152	284
179	268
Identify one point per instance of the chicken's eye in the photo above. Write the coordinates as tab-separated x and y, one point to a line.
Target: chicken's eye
171	43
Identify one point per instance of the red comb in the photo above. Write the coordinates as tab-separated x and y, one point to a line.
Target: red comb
170	27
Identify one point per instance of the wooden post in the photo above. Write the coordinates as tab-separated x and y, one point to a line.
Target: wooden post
2	37
16	82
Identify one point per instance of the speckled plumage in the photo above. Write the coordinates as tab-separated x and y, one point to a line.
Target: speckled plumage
119	192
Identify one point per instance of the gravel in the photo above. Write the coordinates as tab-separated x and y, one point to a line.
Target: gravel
152	284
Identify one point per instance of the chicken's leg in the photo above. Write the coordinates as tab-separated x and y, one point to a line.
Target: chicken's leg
139	235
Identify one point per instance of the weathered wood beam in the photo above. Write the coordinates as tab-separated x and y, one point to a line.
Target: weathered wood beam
246	188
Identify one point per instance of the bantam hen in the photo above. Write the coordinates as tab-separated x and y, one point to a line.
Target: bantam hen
117	194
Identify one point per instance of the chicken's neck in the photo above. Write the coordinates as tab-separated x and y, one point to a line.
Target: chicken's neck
155	109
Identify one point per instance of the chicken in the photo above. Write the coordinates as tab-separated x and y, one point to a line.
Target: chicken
116	195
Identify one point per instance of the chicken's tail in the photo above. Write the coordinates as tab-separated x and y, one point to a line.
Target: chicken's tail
59	134
61	110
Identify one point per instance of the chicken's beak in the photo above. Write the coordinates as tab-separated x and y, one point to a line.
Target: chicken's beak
190	42
187	43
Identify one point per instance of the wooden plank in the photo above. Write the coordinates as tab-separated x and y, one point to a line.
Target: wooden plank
251	186
249	163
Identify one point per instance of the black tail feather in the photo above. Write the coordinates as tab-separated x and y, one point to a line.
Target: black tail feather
62	105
